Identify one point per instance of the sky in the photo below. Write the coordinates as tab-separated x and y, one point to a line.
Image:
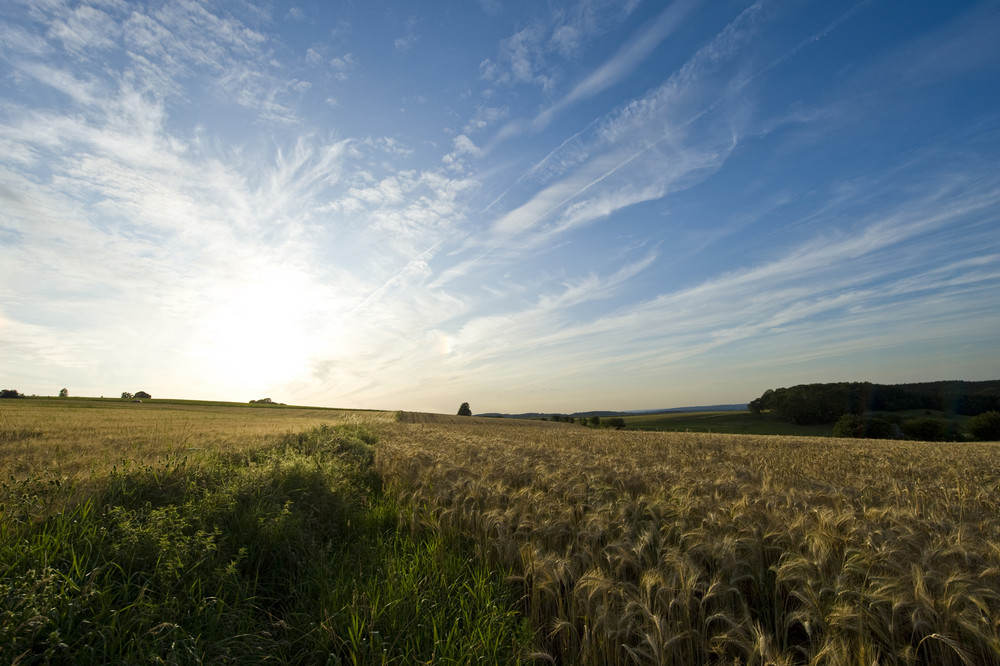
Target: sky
527	206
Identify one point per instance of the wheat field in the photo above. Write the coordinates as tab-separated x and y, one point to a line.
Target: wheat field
686	548
618	547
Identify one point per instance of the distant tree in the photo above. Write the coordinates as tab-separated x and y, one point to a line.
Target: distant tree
849	425
877	428
126	395
263	401
616	422
10	393
985	427
142	395
465	410
64	393
763	402
595	421
926	429
855	425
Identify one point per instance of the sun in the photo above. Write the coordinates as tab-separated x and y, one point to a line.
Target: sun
263	331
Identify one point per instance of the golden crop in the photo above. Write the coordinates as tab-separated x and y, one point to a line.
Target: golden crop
644	548
671	548
71	439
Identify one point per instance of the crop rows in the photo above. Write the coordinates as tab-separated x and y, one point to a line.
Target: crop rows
657	548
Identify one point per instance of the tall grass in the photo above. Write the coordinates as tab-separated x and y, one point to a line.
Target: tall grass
286	553
650	548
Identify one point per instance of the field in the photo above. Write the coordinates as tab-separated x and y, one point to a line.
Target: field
423	538
736	423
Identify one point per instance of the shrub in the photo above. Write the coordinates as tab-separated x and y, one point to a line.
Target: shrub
849	425
855	425
926	428
985	427
877	428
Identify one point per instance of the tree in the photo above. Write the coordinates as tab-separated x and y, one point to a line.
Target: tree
64	393
849	425
10	393
595	421
142	395
985	427
925	429
616	422
855	425
126	395
465	410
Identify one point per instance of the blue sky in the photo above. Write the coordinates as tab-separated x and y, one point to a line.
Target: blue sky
555	206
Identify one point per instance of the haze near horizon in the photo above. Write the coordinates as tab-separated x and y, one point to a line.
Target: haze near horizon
530	207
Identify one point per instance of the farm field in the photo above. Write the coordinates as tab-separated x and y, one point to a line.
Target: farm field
244	535
194	533
690	548
738	423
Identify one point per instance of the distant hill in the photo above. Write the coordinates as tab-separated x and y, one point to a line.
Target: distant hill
825	403
609	414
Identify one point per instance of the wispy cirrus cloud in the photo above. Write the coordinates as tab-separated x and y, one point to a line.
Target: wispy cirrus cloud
635	50
246	198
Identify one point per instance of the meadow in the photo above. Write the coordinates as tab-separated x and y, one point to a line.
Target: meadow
219	534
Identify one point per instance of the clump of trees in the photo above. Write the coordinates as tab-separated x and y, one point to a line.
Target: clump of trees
138	395
262	401
985	427
10	394
928	429
809	404
858	426
465	410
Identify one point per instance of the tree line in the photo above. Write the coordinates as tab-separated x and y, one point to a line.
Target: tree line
808	404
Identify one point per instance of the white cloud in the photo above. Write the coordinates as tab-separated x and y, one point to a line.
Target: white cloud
621	63
343	66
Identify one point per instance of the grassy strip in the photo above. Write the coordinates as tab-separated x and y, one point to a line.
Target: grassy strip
289	554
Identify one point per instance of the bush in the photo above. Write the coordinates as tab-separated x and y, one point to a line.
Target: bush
854	425
927	429
985	427
877	428
849	425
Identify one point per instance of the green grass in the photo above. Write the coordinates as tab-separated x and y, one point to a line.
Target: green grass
285	554
738	423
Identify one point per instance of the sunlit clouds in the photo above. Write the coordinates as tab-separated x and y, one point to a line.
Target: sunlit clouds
528	207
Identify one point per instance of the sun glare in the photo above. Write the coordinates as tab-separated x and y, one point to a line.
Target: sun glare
260	336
